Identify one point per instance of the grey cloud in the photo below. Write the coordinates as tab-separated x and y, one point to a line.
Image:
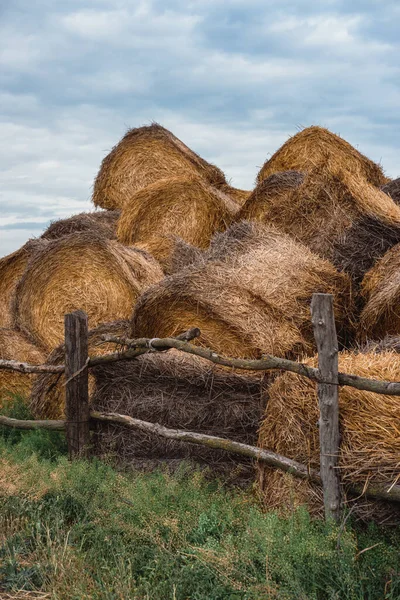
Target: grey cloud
233	80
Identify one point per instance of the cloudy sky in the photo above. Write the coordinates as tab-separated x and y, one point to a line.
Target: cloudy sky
232	78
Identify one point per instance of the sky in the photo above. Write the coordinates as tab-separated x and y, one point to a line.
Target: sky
232	78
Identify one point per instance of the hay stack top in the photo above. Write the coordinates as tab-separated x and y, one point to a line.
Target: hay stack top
249	294
80	271
102	221
315	146
143	156
185	207
341	217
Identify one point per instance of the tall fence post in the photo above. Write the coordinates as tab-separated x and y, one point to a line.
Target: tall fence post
76	386
323	320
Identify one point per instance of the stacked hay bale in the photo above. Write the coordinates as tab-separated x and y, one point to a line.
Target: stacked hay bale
14	346
47	400
11	270
392	189
250	294
146	155
177	390
80	271
103	221
369	427
381	292
316	148
341	217
274	188
185	207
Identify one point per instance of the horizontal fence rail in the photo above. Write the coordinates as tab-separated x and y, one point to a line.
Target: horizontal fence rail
267	363
272	459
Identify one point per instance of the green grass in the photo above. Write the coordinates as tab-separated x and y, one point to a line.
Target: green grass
83	530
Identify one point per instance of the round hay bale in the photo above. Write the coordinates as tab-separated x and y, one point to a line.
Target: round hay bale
249	295
392	189
143	156
381	292
316	147
103	221
47	400
369	427
341	218
185	207
12	268
14	346
179	391
275	187
80	271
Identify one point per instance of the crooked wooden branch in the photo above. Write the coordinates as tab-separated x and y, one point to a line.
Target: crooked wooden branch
268	457
144	345
21	367
271	458
267	363
30	424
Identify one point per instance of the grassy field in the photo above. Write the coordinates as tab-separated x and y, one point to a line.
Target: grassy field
84	530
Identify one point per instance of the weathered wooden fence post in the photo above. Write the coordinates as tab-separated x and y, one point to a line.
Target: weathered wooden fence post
76	386
323	320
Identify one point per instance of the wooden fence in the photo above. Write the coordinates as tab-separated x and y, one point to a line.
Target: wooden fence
79	416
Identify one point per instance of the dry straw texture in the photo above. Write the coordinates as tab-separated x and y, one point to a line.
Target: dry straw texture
80	271
184	207
47	400
273	189
369	426
14	346
11	270
249	294
342	218
143	156
317	147
239	196
103	221
178	391
381	291
392	189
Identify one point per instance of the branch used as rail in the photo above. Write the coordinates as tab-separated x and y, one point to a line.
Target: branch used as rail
268	457
141	346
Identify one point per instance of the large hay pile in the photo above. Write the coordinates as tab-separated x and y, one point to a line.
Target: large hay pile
176	390
392	189
184	207
381	291
341	218
316	147
143	156
103	221
369	425
47	400
249	295
14	346
274	188
11	270
80	271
